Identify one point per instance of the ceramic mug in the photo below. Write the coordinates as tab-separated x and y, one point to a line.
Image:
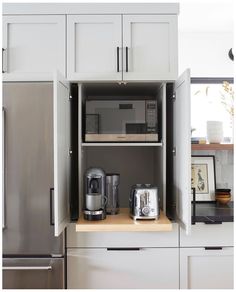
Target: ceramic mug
215	131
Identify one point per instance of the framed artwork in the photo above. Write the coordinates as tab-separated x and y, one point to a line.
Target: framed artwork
203	177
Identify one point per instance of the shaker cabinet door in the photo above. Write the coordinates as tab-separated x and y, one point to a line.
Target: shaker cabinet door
150	47
206	269
182	149
61	128
145	268
94	47
33	47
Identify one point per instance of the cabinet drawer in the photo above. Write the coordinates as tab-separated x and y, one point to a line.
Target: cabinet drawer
116	269
122	239
208	235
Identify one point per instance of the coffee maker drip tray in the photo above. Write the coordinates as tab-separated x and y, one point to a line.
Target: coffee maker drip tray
94	215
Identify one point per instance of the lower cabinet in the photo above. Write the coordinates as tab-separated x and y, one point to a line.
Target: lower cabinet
206	268
117	268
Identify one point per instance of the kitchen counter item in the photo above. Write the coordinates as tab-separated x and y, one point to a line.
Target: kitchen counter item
223	196
144	202
213	212
112	193
95	200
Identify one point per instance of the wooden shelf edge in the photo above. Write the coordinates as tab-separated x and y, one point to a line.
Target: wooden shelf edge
121	144
123	223
212	146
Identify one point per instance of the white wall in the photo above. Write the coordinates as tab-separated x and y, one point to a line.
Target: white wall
206	53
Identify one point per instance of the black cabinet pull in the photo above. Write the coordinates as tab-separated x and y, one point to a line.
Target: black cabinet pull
118	59
194	206
127	59
51	207
213	248
3	71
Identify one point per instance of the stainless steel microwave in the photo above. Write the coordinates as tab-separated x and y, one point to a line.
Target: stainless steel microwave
121	120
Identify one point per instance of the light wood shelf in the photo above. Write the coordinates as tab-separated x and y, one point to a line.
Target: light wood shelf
122	222
212	146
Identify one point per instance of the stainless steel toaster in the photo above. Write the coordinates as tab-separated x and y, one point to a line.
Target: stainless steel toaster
144	202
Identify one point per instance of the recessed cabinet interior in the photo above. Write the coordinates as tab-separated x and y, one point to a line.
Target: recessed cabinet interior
122	47
33	47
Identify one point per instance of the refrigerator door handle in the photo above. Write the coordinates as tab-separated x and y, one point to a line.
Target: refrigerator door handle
3	168
51	206
17	268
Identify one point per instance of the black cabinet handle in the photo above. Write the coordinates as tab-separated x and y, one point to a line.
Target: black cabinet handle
118	59
51	206
194	206
213	248
127	59
3	71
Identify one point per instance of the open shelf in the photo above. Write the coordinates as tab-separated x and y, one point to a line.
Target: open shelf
121	144
212	146
122	222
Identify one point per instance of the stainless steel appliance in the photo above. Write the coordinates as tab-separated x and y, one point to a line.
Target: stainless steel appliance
95	199
112	193
121	120
32	256
144	202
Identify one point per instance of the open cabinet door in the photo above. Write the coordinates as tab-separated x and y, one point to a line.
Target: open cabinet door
61	125
182	149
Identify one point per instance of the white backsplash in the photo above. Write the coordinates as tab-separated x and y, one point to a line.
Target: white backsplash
224	167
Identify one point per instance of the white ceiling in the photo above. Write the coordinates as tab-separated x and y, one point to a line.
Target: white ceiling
197	15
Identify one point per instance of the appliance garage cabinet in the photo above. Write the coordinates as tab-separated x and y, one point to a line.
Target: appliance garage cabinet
73	155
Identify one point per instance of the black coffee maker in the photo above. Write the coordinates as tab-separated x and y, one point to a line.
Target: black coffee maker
94	197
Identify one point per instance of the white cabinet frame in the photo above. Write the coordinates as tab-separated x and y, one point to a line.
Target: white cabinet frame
61	129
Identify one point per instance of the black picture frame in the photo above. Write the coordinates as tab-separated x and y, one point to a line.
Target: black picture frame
203	177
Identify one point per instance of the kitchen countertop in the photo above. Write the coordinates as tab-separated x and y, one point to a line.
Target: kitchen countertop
212	212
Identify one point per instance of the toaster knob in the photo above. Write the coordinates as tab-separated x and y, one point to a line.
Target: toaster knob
145	210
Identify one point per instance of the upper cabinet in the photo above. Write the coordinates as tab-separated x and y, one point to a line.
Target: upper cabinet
122	47
33	46
150	47
94	47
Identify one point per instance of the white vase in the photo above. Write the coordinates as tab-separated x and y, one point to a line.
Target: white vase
215	131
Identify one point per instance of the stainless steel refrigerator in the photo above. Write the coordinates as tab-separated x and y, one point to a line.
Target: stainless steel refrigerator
32	256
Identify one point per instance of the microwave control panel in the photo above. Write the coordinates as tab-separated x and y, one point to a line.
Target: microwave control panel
151	116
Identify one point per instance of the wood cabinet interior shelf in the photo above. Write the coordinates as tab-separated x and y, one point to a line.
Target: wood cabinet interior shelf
212	146
122	222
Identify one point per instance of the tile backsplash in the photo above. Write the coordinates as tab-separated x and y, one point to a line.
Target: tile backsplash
224	167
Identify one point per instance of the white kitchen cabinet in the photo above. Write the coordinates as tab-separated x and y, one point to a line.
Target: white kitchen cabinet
94	47
33	47
155	268
61	151
150	47
202	268
122	47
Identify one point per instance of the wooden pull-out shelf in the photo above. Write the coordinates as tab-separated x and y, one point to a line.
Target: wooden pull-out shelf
122	222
